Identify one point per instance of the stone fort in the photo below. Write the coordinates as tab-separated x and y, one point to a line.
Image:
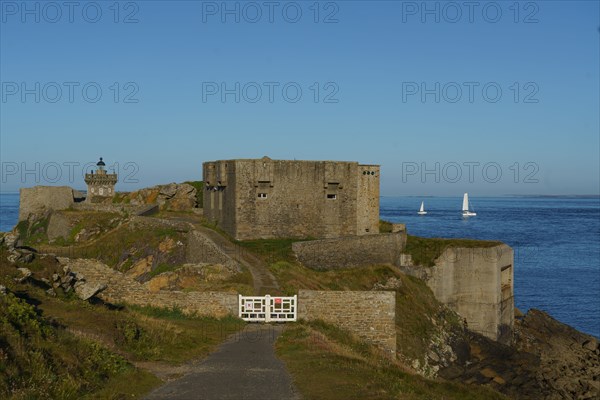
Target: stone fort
265	198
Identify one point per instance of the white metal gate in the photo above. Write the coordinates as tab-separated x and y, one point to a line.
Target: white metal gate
268	308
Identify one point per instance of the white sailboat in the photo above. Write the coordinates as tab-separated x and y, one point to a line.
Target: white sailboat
422	209
465	207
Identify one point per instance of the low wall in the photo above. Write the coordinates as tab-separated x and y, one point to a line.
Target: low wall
352	251
369	315
124	289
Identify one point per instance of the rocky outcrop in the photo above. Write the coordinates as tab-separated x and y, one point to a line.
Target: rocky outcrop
16	254
569	359
173	197
123	289
549	361
189	277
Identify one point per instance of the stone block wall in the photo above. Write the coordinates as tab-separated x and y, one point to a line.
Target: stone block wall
351	251
369	315
264	198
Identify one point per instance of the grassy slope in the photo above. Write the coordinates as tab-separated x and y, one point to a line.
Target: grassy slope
327	363
66	348
333	371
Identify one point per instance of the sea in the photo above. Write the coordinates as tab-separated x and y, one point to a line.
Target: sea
556	241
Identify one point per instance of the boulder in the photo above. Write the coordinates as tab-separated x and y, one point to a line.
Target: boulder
10	240
25	274
86	291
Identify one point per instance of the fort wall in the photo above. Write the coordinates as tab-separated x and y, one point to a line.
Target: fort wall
369	315
264	198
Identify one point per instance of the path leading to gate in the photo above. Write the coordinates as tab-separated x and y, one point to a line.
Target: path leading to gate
244	367
264	281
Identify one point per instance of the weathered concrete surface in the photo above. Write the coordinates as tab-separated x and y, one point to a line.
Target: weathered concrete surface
244	367
265	198
39	199
351	251
369	315
477	283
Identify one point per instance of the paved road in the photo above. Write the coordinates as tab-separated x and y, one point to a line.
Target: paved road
244	367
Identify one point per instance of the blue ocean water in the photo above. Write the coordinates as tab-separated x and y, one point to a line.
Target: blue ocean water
9	211
556	243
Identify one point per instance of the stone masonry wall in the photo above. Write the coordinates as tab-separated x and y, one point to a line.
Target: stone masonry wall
369	315
264	198
352	251
124	289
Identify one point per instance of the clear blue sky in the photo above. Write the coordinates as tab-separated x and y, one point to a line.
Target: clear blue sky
375	56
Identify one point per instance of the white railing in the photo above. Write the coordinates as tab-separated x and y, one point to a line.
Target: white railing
268	308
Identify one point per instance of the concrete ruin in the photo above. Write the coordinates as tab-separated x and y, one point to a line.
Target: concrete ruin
475	282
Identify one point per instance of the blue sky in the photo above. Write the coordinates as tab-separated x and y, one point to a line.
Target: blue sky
161	113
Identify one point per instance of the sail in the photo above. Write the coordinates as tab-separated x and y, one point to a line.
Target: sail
422	206
465	206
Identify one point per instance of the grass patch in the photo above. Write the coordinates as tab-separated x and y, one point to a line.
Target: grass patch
41	360
142	333
416	309
271	250
33	232
293	276
162	267
125	245
327	363
385	226
425	251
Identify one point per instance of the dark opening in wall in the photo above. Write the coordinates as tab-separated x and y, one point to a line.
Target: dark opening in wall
332	196
262	195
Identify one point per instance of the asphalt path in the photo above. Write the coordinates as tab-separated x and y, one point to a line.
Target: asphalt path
243	367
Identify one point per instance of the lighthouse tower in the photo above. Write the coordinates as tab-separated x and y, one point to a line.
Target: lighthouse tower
100	185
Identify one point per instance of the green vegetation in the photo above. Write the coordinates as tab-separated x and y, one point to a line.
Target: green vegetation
39	360
65	348
33	232
385	226
127	244
424	251
271	250
419	316
199	185
327	363
293	276
162	267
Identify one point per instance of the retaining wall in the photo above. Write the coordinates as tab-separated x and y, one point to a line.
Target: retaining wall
369	315
351	251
